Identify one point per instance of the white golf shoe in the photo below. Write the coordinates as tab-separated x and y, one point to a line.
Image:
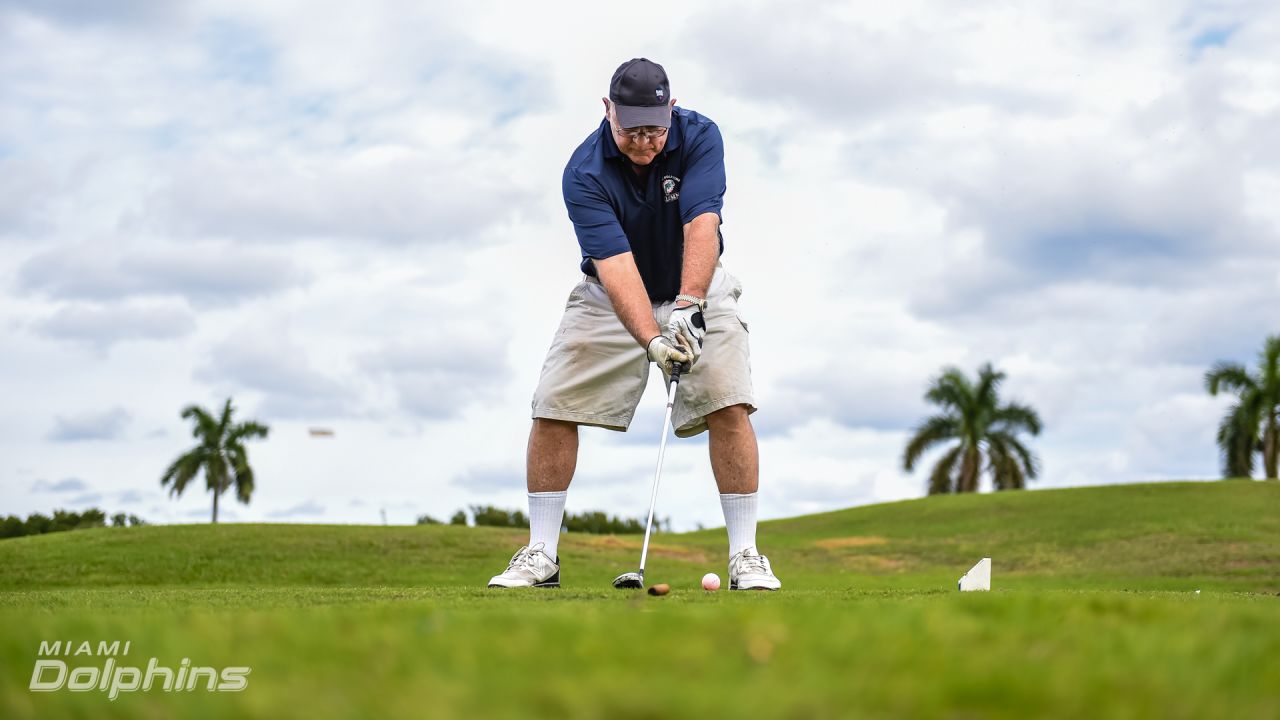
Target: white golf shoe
530	567
749	570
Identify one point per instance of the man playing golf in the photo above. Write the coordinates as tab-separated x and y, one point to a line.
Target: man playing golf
644	192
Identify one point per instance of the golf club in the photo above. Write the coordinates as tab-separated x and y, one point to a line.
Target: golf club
635	580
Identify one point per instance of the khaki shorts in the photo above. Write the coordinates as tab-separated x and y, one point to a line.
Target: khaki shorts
595	372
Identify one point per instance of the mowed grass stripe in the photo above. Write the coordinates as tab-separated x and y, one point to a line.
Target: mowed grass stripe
812	654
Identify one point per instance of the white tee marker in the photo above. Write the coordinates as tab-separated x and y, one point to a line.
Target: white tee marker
978	577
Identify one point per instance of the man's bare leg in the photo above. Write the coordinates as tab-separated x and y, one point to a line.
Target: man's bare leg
735	458
552	458
552	455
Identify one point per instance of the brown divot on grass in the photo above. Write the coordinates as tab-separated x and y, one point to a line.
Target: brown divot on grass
872	563
858	561
851	542
613	542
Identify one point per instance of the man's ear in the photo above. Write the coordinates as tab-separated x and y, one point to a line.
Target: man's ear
605	100
672	103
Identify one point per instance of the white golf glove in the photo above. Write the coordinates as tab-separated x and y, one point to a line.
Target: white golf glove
666	353
688	328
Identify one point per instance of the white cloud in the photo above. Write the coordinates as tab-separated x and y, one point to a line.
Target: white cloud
62	486
309	508
437	376
93	425
203	272
85	499
282	371
130	497
101	326
383	193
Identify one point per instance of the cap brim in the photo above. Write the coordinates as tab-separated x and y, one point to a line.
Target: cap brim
630	116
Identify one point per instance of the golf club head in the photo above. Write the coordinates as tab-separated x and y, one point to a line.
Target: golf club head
629	581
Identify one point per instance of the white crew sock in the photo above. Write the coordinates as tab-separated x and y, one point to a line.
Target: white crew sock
740	521
546	515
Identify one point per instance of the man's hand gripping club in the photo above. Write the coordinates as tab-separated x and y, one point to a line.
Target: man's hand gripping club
666	353
682	343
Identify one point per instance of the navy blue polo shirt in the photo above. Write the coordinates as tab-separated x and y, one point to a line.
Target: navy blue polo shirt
614	210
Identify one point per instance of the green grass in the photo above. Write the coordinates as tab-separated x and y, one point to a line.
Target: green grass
1093	614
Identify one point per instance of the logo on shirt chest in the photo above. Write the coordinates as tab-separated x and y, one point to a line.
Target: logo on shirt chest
670	188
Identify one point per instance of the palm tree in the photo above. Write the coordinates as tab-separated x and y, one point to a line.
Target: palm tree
1238	438
973	416
221	454
1253	423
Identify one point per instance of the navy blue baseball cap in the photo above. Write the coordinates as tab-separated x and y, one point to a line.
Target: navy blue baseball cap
640	92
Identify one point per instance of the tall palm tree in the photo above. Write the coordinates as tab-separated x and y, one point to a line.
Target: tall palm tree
221	455
973	416
1253	423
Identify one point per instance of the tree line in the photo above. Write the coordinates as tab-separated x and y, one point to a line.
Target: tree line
62	520
591	521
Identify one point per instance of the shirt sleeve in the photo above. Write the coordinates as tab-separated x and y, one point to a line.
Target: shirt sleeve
600	235
702	189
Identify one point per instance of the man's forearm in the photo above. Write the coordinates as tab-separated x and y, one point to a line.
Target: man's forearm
621	280
701	253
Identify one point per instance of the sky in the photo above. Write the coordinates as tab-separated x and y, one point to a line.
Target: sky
349	217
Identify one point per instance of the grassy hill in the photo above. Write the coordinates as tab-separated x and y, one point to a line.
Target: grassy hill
1166	536
1094	614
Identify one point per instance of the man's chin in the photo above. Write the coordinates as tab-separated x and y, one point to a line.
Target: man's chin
641	160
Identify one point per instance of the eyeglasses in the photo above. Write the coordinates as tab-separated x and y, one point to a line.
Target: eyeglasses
637	133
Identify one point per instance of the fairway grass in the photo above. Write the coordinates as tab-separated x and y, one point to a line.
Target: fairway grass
1094	613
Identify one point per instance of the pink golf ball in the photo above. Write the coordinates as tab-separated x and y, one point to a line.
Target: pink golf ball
711	581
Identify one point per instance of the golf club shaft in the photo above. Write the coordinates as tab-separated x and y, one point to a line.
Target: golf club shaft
657	474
